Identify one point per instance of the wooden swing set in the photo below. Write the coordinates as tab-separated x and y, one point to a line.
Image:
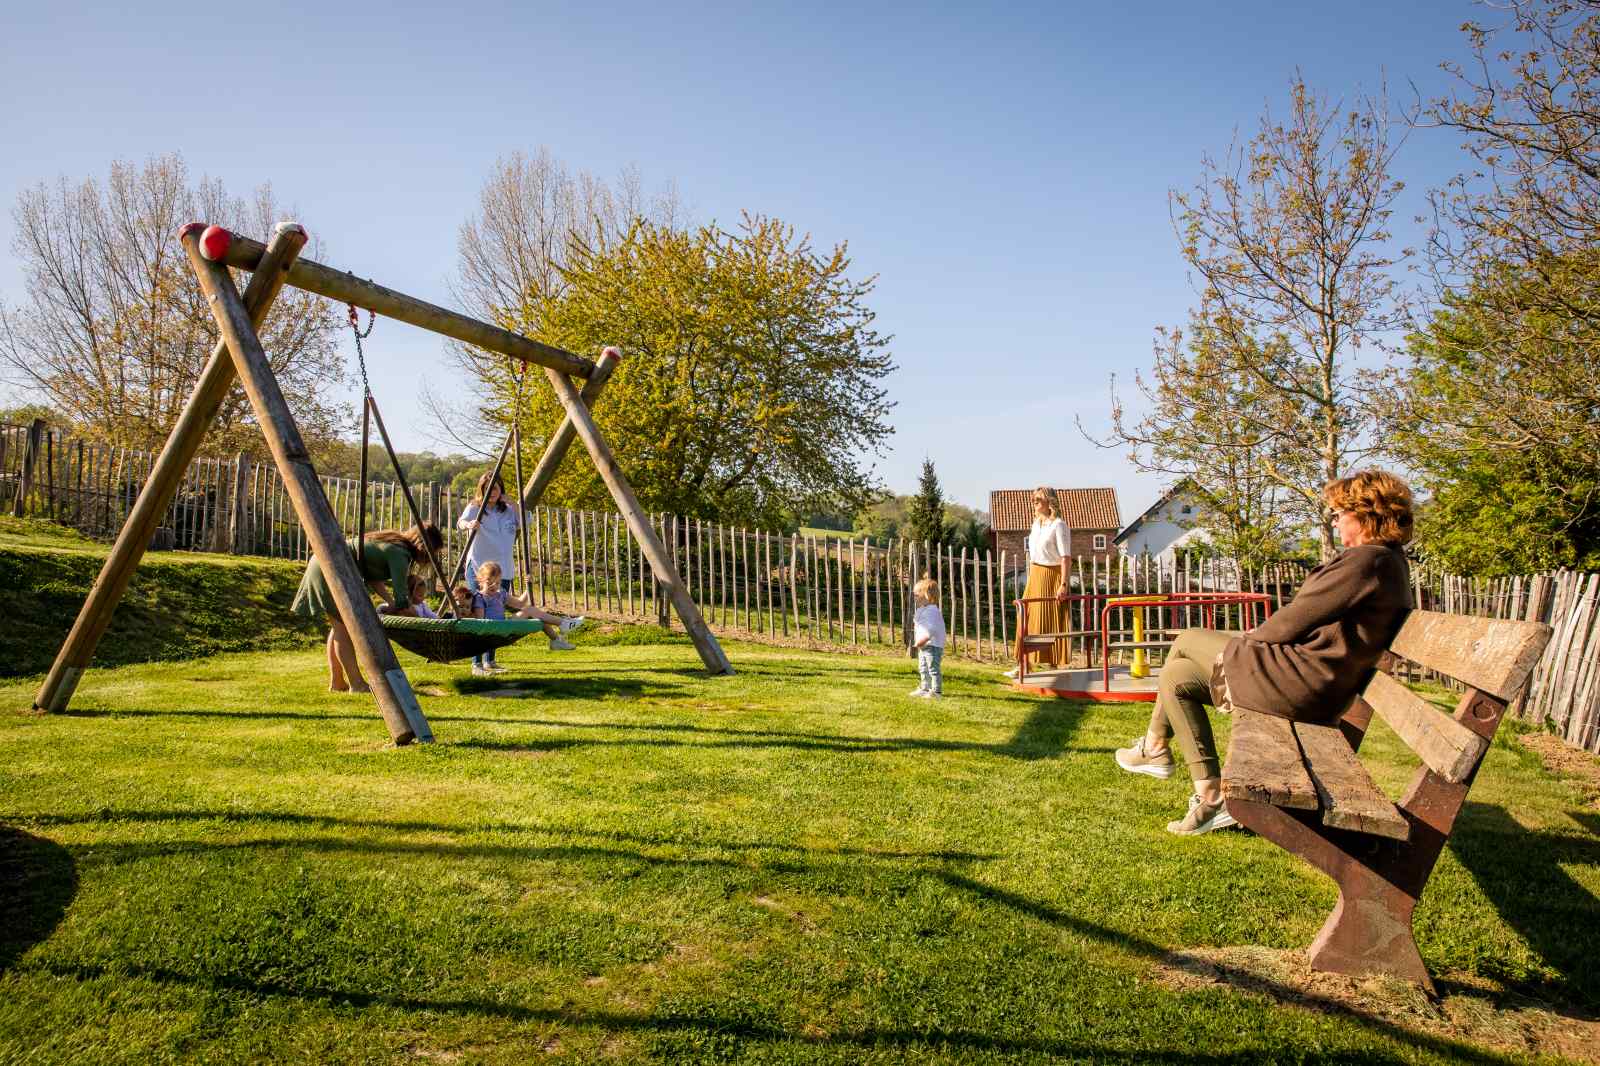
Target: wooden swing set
212	250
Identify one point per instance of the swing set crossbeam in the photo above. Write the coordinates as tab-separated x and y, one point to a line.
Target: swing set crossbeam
242	253
210	249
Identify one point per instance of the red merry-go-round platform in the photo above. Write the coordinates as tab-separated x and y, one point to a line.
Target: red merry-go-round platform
1109	682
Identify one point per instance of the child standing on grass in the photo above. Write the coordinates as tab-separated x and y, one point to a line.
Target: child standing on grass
929	639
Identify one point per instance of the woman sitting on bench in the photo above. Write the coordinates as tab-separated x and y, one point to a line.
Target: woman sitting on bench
1305	663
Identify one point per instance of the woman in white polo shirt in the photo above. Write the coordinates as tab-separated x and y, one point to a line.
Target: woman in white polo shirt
498	527
1049	576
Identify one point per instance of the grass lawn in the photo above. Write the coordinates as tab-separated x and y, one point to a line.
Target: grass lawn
622	859
180	604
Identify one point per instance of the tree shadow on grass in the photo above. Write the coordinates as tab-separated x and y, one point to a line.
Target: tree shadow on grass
726	1020
1046	733
38	880
731	1028
1558	917
337	822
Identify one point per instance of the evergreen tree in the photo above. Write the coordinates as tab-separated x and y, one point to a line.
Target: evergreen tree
925	515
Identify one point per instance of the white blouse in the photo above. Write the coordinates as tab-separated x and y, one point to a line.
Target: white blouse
1049	542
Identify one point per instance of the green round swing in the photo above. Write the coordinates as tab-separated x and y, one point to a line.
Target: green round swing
447	638
443	640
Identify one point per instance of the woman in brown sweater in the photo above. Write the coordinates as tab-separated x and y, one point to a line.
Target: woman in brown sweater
1306	662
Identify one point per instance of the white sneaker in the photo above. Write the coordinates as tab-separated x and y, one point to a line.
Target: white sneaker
917	693
569	624
1136	760
1201	818
1012	673
558	644
479	671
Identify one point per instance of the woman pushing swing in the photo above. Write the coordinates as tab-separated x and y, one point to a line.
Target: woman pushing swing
385	559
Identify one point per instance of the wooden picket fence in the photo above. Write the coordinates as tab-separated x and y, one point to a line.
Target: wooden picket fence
836	592
1564	691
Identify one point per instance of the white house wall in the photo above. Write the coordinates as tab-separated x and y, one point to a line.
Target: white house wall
1160	536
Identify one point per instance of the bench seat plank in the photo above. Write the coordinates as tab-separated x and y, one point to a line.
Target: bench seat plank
1447	747
1264	763
1349	798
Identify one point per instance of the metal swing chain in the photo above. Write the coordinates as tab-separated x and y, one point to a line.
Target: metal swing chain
360	335
366	414
518	372
370	408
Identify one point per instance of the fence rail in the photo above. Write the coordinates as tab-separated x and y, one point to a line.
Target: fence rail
840	592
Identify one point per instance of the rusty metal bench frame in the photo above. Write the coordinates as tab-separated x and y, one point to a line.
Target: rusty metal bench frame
1380	861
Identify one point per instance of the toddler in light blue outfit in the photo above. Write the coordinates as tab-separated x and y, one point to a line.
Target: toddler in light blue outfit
928	639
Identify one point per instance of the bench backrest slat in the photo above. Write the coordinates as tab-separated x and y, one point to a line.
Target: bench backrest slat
1489	654
1447	747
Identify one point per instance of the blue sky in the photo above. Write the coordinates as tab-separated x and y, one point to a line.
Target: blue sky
1003	171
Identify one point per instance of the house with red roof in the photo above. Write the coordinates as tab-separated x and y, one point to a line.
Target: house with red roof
1091	514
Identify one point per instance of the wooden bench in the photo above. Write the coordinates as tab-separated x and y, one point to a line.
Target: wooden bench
1303	788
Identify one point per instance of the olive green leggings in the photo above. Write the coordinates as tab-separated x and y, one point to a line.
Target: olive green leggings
1184	695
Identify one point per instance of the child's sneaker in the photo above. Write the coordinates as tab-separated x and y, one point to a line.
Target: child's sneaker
557	644
1135	760
917	693
569	624
479	670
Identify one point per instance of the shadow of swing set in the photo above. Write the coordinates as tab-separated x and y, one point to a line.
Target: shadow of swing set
212	250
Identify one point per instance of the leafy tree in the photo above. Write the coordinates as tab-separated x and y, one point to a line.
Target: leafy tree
1287	237
889	518
749	388
1510	493
112	329
965	527
925	512
1516	252
343	459
1194	433
23	414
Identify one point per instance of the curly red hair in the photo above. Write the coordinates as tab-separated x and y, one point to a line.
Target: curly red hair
1379	501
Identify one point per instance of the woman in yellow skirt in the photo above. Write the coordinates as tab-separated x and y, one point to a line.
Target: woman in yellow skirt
1049	575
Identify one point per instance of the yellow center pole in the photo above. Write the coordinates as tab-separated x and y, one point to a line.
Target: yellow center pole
1141	662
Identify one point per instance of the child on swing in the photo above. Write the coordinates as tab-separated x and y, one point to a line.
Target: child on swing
419	597
495	603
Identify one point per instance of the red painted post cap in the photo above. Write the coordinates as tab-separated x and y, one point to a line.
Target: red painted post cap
214	242
193	227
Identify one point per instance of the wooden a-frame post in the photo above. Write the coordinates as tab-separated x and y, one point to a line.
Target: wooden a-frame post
396	702
579	422
199	412
561	442
666	571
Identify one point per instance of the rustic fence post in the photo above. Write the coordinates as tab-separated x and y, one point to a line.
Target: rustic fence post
908	601
236	502
30	456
